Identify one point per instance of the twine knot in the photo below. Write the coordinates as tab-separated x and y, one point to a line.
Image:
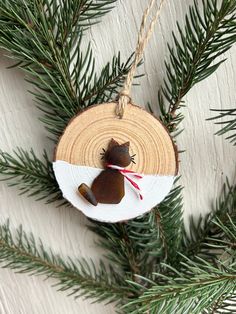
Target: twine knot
123	100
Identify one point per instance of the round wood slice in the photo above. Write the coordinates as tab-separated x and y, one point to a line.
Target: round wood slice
91	130
78	159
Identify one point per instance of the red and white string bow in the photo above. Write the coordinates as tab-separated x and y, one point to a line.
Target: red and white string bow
127	173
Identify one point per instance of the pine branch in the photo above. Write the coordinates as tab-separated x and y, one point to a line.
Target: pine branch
206	238
171	224
33	176
89	88
106	86
79	277
74	14
62	74
208	33
197	288
159	234
228	125
140	245
226	304
66	17
120	247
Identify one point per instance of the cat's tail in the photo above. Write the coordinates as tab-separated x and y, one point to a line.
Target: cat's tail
87	193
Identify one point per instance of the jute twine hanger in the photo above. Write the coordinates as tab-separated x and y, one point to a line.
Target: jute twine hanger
144	35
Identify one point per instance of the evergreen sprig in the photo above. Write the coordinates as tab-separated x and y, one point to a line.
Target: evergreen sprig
140	245
171	224
21	252
197	288
203	278
205	238
31	175
198	284
228	124
45	40
208	33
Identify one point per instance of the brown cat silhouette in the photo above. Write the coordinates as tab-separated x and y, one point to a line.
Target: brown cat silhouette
108	186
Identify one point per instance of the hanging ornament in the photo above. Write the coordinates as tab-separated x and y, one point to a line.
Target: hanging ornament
115	161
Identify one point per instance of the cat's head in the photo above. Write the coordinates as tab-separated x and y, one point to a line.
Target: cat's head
118	154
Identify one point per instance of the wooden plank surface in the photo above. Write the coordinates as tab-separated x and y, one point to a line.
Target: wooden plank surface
205	164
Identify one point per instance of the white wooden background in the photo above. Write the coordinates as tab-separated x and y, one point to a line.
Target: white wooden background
205	164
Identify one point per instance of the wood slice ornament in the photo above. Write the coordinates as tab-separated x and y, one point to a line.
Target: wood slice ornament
115	161
78	159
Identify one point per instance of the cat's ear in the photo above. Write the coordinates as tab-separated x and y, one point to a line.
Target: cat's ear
127	144
112	144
